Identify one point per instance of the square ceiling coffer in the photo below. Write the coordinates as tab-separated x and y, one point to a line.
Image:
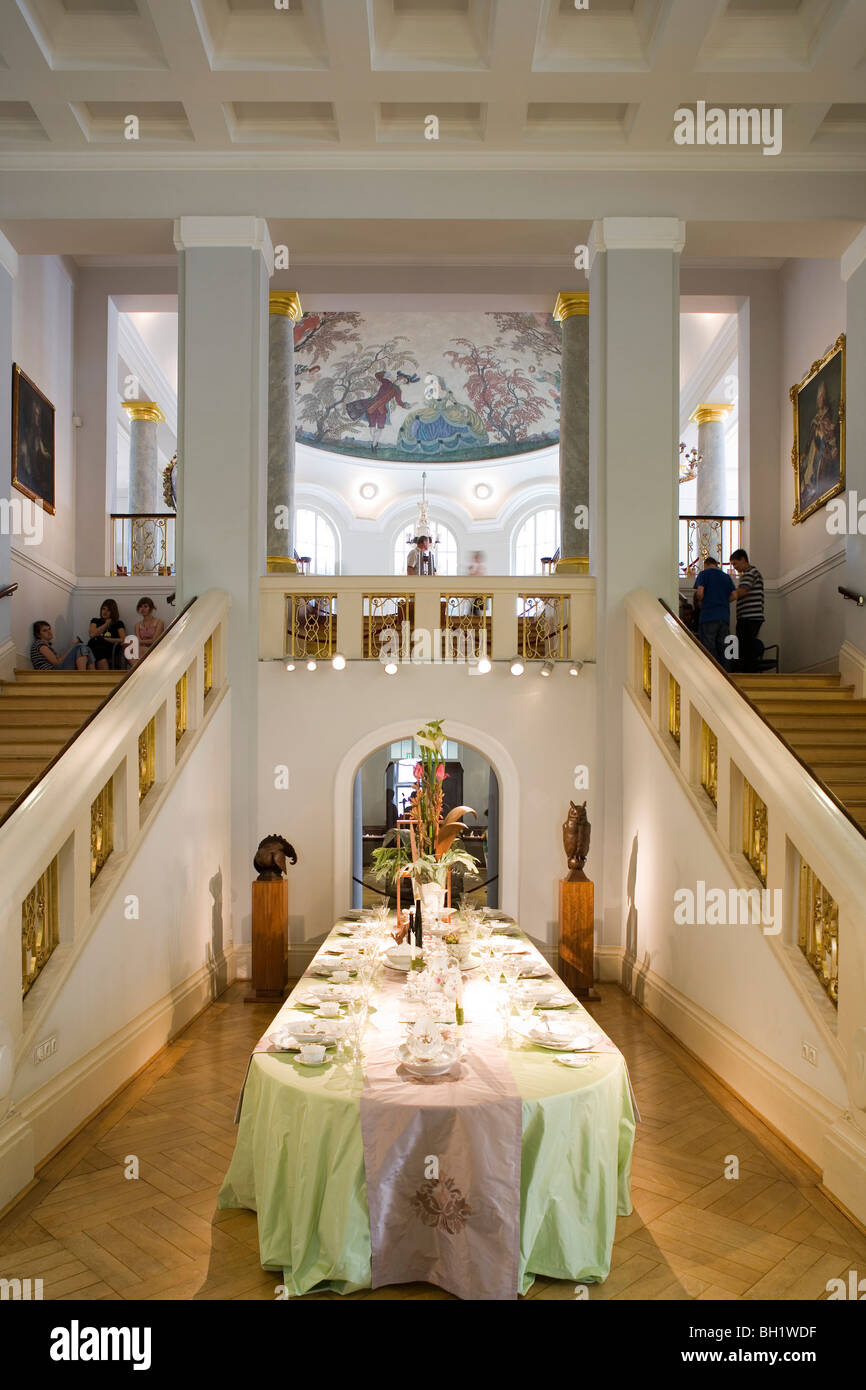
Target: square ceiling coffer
94	34
284	123
109	122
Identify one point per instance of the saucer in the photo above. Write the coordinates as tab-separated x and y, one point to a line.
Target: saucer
568	1059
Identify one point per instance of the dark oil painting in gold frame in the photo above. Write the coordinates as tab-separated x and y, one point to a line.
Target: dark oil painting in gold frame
32	441
818	455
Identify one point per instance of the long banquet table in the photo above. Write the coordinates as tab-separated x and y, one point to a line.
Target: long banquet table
299	1160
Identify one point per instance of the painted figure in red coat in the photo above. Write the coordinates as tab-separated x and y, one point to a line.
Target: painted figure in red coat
376	410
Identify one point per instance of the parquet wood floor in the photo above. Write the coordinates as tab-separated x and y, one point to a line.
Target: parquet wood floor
90	1233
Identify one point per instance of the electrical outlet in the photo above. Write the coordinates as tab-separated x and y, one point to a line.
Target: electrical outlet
809	1053
45	1049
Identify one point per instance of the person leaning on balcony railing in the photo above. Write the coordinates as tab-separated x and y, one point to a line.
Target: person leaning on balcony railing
714	590
750	611
43	657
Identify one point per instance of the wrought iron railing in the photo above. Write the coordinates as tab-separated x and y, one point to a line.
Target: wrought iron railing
387	617
542	626
701	536
101	829
180	719
142	544
311	626
39	926
146	759
207	668
467	625
709	762
673	709
818	930
755	836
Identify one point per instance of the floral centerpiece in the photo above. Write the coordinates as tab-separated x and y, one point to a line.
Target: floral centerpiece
425	850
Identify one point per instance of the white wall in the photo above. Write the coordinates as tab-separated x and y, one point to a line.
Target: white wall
42	345
311	721
812	616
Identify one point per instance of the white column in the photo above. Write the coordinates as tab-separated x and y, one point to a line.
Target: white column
8	271
634	419
854	274
225	264
145	492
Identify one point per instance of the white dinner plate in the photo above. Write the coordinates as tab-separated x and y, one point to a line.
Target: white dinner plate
438	1067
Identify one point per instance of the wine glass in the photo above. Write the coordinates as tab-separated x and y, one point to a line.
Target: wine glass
524	1007
503	1009
357	1021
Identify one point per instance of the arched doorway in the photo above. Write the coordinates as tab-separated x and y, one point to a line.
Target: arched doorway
502	800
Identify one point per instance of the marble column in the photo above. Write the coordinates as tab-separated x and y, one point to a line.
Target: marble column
634	423
224	264
8	271
285	311
712	488
145	493
572	311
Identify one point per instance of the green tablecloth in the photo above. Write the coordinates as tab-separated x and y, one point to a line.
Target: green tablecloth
299	1164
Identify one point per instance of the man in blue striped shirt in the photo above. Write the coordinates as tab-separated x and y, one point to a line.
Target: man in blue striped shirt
750	611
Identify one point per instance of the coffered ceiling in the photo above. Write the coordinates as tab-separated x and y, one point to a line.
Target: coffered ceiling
232	96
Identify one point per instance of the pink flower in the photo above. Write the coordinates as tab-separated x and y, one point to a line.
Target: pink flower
441	774
417	772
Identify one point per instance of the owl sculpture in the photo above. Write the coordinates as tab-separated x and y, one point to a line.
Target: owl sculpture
575	838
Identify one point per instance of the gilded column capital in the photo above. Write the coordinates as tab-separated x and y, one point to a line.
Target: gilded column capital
707	413
287	303
570	304
143	410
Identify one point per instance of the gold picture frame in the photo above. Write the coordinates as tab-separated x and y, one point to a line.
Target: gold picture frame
32	441
818	455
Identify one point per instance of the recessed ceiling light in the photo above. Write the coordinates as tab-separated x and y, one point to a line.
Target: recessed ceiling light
390	668
483	665
339	662
368	490
290	666
483	491
311	665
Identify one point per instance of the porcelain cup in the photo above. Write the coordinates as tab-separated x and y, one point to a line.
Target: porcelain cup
313	1052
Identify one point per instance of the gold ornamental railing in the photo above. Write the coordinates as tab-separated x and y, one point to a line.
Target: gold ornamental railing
180	719
647	669
673	709
146	759
142	544
818	930
39	926
311	626
208	666
542	626
101	829
702	536
709	763
467	626
755	836
387	618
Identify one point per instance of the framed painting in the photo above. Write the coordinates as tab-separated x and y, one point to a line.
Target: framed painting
818	455
32	440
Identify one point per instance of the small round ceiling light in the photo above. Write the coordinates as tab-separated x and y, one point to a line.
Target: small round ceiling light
339	662
517	667
483	491
290	666
369	491
390	668
311	665
483	665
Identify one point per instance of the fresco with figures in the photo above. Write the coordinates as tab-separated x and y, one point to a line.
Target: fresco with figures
432	388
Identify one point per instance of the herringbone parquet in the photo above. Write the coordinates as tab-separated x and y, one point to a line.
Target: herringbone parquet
89	1232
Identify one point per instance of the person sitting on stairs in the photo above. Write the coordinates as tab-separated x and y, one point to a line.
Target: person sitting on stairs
43	657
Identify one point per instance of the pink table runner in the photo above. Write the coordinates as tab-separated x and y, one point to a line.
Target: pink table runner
442	1161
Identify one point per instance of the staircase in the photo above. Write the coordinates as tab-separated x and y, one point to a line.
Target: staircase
825	726
40	711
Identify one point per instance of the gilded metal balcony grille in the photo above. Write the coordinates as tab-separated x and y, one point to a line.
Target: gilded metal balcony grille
39	926
142	544
818	930
101	829
467	626
647	670
388	619
311	626
701	536
542	626
709	763
208	666
674	708
180	709
146	759
755	831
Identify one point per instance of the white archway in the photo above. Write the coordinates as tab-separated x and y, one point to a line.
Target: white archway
509	804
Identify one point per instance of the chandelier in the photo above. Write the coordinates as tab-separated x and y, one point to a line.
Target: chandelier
689	462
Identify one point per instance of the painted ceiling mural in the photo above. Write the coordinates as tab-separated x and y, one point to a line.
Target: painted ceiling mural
433	388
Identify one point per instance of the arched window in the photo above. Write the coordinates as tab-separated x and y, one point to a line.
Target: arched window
315	536
536	537
444	548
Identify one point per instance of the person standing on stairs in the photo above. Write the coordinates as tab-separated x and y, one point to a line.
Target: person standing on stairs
750	611
714	590
43	657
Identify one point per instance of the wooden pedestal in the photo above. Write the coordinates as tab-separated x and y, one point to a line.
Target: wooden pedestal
576	935
270	954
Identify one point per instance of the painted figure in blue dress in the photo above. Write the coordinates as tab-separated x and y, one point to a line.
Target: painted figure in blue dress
442	425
